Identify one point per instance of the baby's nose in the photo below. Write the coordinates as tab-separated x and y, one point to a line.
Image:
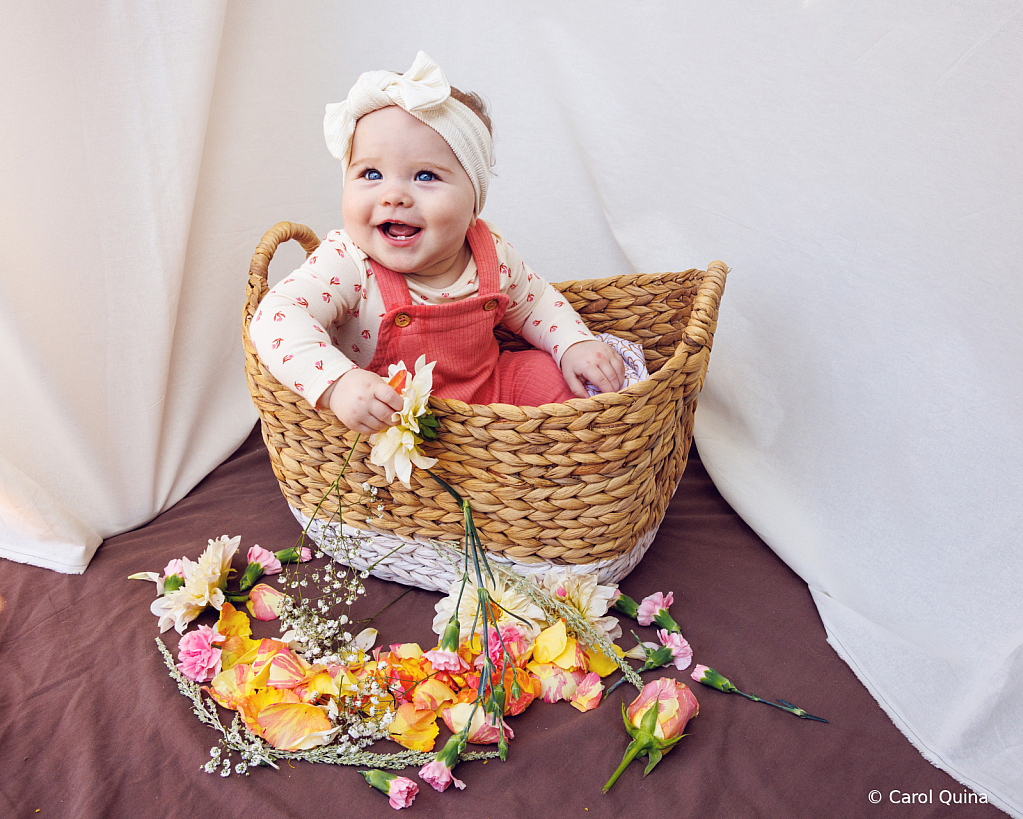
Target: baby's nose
396	195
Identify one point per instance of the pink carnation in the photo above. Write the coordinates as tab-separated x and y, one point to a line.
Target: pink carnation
401	791
266	559
681	651
439	775
443	660
175	567
651	605
198	658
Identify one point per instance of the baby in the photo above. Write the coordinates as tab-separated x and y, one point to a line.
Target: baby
416	272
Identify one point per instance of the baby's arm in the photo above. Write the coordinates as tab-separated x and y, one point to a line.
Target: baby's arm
362	400
291	328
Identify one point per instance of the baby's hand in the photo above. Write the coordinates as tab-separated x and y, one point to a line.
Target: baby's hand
363	401
595	362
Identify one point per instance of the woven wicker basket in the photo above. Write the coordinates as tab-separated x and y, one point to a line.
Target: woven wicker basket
582	484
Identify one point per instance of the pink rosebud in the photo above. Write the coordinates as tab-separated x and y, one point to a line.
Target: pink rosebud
481	730
265	602
266	559
681	651
198	658
651	605
261	561
676	702
174	567
656	720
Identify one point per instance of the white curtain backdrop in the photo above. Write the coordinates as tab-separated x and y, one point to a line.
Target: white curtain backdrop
855	164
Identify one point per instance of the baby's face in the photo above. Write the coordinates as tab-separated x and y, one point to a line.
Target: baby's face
407	202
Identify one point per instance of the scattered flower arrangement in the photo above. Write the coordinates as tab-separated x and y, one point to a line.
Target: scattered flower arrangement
322	693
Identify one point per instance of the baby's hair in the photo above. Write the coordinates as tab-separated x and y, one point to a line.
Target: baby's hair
474	102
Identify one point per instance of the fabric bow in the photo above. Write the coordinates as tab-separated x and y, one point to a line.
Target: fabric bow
421	88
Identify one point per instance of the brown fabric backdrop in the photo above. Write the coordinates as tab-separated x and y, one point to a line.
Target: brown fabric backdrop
92	726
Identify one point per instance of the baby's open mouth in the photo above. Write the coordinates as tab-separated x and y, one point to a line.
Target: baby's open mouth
398	230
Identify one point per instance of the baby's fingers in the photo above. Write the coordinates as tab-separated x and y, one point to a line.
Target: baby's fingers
576	385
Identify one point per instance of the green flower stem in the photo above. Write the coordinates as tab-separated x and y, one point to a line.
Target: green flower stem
655	658
715	679
494	704
784	706
252	573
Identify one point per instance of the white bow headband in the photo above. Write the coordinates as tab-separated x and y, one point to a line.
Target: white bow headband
424	92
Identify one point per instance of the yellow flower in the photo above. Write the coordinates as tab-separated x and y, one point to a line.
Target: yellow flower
412	729
397	448
290	726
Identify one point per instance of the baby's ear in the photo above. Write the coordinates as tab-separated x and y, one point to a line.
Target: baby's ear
472	222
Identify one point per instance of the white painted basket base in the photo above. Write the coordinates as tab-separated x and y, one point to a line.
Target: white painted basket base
426	566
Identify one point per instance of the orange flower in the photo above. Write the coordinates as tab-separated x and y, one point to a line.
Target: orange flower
235	684
287	670
529	686
251	707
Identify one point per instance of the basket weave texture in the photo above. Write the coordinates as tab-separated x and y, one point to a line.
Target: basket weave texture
573	483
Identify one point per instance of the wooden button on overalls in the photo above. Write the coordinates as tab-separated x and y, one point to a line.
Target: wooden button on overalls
490	305
404	320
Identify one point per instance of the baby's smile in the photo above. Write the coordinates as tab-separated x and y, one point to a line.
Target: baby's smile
399	232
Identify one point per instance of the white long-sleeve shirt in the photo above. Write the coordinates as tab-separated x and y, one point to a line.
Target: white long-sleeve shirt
324	318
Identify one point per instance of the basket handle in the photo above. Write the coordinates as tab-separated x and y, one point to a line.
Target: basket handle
703	318
281	232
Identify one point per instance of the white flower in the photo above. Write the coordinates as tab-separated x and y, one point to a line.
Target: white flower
581	592
205	580
512	602
396	448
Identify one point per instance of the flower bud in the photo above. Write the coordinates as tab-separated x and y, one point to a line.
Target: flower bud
709	677
449	640
627	606
294	554
172	583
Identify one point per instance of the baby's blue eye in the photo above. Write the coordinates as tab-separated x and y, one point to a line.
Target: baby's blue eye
372	174
425	176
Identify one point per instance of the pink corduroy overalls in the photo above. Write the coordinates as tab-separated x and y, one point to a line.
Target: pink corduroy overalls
459	336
